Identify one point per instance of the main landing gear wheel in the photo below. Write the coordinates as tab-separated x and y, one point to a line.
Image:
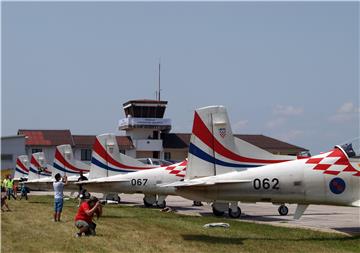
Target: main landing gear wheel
147	204
161	205
217	212
112	197
283	210
235	214
149	200
197	203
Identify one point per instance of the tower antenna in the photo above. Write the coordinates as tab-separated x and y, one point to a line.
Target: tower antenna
159	90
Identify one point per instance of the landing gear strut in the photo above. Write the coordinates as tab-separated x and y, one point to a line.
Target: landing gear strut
283	210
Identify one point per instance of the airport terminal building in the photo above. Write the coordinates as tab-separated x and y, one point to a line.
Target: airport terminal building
147	134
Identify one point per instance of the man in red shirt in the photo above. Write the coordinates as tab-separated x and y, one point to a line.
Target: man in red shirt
84	217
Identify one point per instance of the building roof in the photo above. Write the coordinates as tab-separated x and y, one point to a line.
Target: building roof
46	137
182	140
87	141
268	143
170	140
145	101
12	137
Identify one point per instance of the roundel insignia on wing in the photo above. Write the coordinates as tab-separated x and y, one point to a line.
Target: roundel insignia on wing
337	185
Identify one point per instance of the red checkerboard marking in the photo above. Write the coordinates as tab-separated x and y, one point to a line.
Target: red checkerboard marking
332	163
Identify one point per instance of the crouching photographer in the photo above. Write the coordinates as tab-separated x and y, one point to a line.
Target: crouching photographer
85	214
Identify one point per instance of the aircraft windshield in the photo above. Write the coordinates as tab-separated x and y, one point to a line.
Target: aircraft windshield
352	148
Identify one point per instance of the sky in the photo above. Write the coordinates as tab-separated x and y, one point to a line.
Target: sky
288	70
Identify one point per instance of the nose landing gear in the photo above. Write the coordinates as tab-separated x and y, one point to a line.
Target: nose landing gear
283	210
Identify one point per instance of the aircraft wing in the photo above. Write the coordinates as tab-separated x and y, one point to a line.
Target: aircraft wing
190	183
103	181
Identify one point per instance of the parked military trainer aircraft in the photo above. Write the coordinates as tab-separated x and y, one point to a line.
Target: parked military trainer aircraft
65	164
42	174
150	181
331	178
22	168
112	171
39	172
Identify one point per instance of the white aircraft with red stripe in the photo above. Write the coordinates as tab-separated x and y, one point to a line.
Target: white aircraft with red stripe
106	157
112	171
64	163
39	169
39	172
22	168
332	178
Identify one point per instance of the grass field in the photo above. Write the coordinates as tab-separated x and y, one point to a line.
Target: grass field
29	228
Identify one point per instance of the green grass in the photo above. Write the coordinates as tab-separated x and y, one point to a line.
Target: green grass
29	228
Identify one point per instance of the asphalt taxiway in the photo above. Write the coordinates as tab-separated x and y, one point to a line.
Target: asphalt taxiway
317	217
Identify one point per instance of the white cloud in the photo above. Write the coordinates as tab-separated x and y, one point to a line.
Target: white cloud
348	107
346	112
275	123
287	110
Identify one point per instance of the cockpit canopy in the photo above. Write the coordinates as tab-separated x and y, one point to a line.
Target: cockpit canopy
351	148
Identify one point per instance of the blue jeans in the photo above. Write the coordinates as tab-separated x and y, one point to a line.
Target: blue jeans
58	205
10	192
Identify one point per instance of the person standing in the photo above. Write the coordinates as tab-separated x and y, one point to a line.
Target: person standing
23	191
4	182
9	187
59	195
81	189
3	199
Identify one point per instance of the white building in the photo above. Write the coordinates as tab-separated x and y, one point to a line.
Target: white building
145	124
11	148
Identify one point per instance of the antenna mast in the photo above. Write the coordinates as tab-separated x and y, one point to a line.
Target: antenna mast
159	98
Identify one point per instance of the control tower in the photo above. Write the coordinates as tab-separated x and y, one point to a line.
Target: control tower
144	122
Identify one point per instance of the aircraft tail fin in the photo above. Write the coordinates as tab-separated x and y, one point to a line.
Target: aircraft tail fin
106	160
38	167
65	163
214	149
22	167
209	124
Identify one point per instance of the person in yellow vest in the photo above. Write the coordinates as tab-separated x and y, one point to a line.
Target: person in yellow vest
4	182
9	187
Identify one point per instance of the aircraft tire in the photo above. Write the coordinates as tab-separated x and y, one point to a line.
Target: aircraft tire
217	212
161	205
197	203
147	204
236	214
283	210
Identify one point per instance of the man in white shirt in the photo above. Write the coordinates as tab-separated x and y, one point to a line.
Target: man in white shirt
58	195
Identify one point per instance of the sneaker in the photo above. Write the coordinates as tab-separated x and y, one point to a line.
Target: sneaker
77	235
